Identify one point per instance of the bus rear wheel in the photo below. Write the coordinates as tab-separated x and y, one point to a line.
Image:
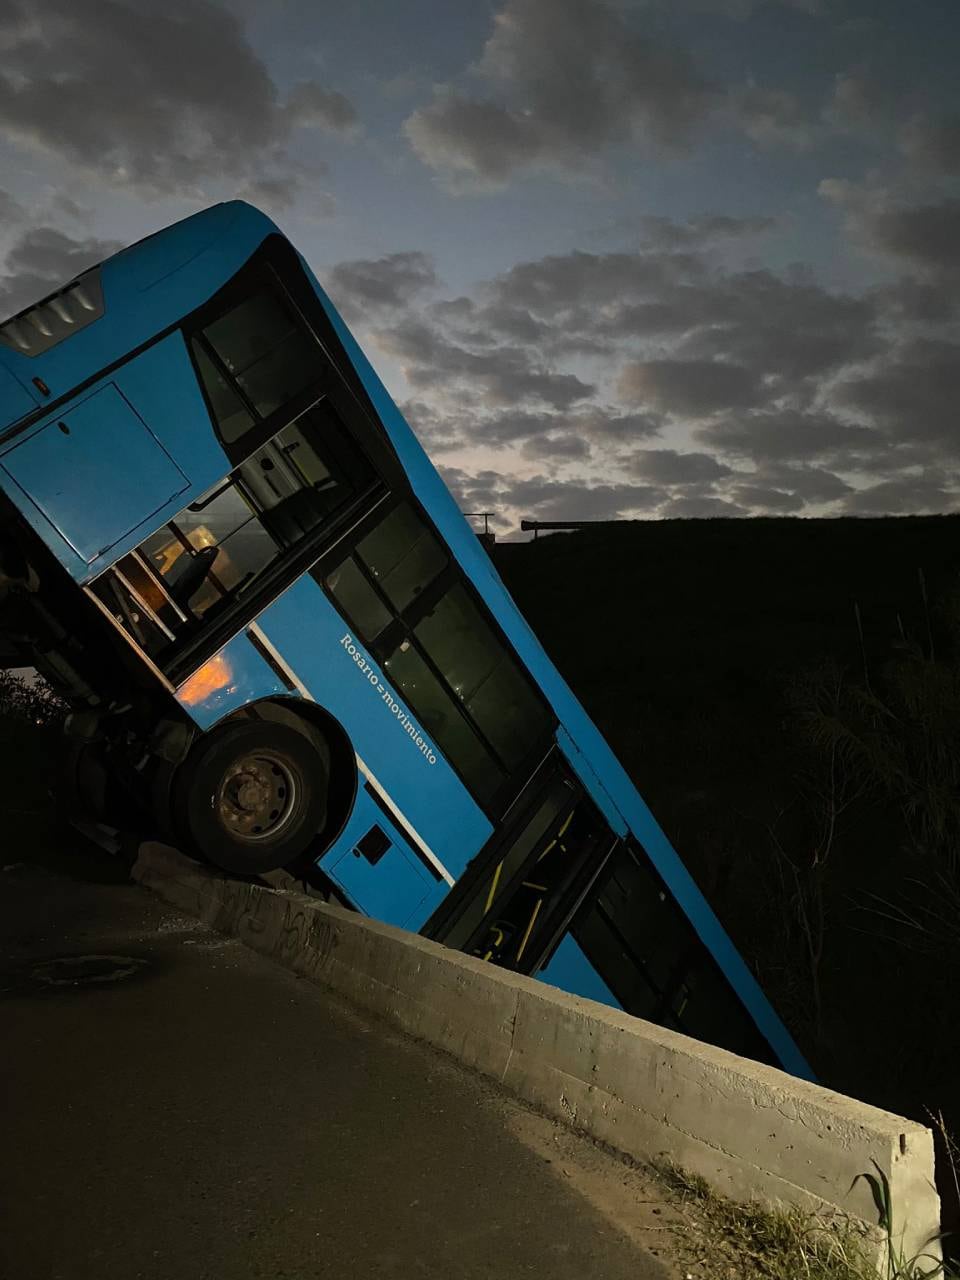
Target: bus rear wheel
251	796
81	782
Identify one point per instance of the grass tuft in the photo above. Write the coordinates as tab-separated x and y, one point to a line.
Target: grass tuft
722	1239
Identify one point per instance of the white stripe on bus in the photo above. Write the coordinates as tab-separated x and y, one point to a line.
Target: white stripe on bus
395	812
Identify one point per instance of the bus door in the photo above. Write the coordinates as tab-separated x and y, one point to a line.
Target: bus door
515	901
97	448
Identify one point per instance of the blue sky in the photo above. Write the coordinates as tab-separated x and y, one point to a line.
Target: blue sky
632	258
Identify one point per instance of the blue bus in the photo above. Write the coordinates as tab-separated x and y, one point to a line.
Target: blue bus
284	645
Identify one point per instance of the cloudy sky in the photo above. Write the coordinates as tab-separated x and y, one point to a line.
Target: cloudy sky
613	257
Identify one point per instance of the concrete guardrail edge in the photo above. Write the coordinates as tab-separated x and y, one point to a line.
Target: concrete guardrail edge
751	1130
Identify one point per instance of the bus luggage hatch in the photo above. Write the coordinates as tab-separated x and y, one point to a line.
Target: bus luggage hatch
96	472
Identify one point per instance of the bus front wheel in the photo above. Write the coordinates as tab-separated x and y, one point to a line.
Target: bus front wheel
251	796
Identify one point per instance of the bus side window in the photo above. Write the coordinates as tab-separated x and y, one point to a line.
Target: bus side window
358	600
402	556
214	552
457	676
483	675
635	935
229	412
433	707
266	350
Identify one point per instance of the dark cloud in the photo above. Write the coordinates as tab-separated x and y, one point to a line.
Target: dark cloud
572	285
906	495
931	301
312	106
793	394
860	102
11	210
454	134
555	436
545	498
275	194
925	237
913	393
494	322
548	499
65	205
810	484
933	144
666	466
477	491
436	430
557	448
374	287
504	376
790	436
567	77
758	497
512	426
750	354
608	426
158	98
42	260
689	388
773	117
787	330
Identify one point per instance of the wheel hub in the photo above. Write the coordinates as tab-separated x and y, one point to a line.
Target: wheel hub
252	794
257	796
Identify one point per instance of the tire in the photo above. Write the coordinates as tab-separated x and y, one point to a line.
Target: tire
81	782
250	796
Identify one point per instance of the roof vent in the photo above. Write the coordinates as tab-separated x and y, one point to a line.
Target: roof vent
42	326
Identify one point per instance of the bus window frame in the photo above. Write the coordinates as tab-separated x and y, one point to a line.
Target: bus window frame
275	265
516	779
290	564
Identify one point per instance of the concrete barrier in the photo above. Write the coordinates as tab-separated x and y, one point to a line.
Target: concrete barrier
752	1131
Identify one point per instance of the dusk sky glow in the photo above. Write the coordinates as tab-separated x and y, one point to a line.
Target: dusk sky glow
622	259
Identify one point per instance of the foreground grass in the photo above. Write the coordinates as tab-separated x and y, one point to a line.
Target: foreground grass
721	1239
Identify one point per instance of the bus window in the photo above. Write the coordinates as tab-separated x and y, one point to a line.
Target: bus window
216	550
402	597
458	640
359	600
267	354
436	711
229	411
114	594
226	522
402	556
304	474
482	675
636	906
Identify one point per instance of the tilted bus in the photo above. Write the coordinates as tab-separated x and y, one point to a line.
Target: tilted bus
282	641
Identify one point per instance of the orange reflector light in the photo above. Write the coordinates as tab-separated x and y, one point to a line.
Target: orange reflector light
206	681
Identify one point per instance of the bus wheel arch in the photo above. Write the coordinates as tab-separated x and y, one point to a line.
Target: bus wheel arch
265	787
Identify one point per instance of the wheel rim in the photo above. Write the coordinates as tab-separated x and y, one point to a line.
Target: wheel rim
258	796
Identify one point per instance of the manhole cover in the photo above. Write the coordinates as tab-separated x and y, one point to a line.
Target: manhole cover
82	971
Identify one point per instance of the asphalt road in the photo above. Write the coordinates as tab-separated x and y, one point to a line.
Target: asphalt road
178	1107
